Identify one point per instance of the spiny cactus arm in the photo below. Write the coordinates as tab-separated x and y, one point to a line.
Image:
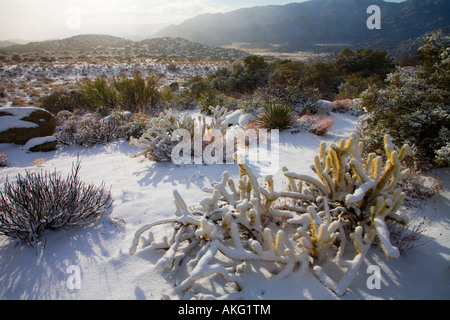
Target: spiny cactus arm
362	245
388	249
209	205
359	193
167	260
247	217
383	209
244	170
292	186
340	287
204	269
319	185
232	197
145	228
296	195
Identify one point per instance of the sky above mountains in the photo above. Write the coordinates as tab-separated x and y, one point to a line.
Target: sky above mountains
136	19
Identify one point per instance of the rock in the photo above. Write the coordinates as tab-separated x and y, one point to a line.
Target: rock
246	118
233	118
174	86
325	106
42	144
20	124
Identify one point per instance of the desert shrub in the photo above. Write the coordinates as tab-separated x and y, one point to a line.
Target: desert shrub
366	63
90	129
325	76
136	93
178	100
198	86
354	85
100	93
276	116
443	156
297	95
43	200
19	102
256	102
61	100
207	100
243	77
347	106
410	110
3	159
162	135
342	106
317	124
285	72
418	188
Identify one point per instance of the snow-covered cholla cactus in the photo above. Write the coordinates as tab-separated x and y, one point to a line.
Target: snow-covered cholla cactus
157	143
243	223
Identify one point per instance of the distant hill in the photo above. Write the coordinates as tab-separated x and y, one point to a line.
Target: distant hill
166	47
298	26
6	44
76	43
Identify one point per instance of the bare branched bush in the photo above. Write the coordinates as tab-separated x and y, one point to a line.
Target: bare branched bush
418	188
89	131
409	237
43	200
3	159
317	124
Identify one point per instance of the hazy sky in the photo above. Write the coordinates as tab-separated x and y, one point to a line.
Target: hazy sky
50	19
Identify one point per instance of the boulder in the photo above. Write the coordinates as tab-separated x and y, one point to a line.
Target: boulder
42	144
20	124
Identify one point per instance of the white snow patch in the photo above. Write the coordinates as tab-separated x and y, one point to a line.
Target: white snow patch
143	193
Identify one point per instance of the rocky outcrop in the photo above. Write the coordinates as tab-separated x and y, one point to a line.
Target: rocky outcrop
20	124
42	144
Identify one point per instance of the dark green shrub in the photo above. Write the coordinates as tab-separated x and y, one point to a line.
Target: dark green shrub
354	85
137	93
414	108
411	112
61	100
100	93
365	63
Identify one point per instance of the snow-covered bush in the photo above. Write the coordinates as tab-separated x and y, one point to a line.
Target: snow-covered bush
159	140
443	156
410	111
39	201
3	159
317	124
243	224
414	108
90	129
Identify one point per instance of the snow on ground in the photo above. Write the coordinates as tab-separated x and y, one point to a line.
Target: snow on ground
142	193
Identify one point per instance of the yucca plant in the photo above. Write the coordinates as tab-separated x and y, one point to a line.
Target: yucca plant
276	116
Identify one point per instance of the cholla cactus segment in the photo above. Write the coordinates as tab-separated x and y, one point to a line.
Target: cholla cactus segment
243	222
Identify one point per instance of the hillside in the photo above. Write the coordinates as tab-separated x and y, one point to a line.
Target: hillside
7	43
173	48
76	43
298	26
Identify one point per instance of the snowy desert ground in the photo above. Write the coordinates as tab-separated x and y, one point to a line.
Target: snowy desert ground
143	192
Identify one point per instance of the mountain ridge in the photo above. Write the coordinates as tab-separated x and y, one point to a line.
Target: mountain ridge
302	25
